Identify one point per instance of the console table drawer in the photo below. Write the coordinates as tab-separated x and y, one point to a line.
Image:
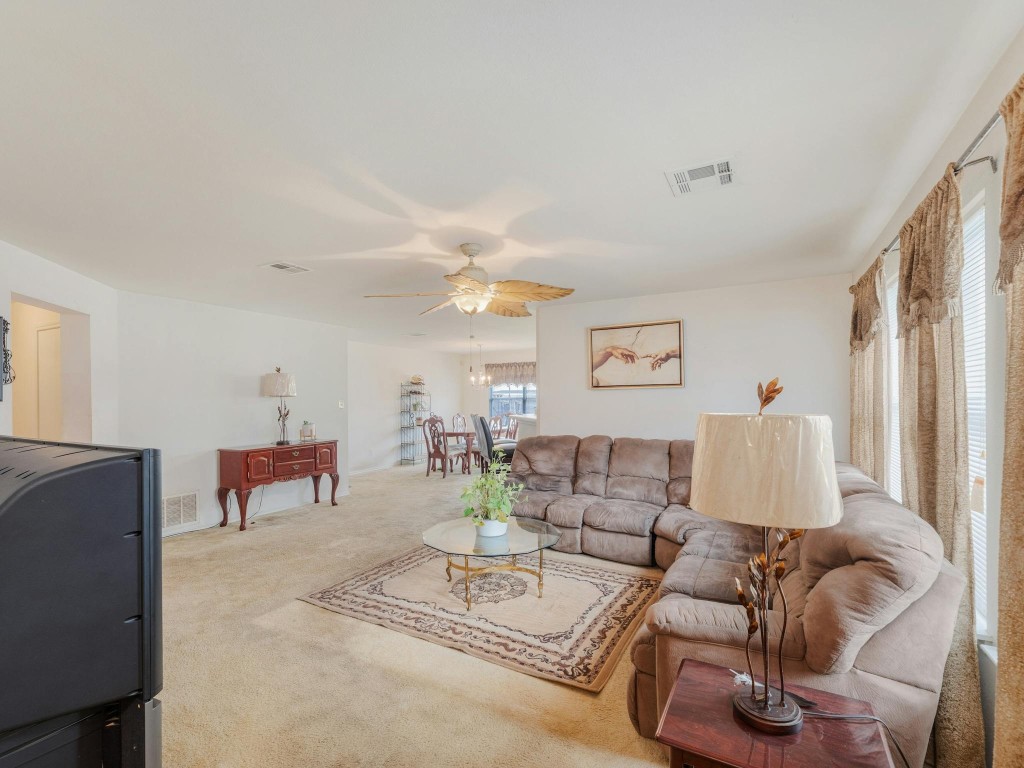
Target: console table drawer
285	455
285	468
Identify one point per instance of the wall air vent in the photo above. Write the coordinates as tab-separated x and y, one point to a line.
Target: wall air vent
700	178
287	267
180	510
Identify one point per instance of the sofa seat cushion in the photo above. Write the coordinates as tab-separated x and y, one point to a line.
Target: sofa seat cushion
534	504
621	516
567	511
703	579
725	544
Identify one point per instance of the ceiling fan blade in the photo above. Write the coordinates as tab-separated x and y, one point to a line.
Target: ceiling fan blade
436	307
466	283
405	295
508	308
524	290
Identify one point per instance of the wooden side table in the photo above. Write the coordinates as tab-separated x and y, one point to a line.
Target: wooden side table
699	726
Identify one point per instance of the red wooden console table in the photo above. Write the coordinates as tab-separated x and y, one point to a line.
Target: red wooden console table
242	469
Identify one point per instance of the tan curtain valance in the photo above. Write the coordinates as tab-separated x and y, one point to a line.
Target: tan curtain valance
868	316
1011	223
512	374
931	258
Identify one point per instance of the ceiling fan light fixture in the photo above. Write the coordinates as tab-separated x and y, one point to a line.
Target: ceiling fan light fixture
471	303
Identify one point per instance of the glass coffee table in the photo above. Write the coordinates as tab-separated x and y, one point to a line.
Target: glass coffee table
525	536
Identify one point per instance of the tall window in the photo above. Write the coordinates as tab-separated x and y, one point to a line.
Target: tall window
974	288
506	398
895	471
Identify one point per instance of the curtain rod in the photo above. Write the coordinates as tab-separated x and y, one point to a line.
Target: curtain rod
962	163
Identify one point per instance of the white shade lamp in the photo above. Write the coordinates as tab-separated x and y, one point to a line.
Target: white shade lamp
775	472
280	385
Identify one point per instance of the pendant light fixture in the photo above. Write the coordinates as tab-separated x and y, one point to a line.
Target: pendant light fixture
478	379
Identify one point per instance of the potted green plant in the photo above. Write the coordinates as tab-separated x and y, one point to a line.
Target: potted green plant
490	499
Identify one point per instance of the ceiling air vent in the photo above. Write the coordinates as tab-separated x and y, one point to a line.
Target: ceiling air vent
287	267
700	178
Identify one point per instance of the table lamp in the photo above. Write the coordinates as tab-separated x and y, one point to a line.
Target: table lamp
776	472
279	385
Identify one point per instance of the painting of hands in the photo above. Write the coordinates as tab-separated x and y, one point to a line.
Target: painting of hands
637	355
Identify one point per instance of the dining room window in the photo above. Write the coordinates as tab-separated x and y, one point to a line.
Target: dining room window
508	398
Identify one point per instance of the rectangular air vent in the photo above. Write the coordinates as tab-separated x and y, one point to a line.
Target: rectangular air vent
700	178
287	267
180	510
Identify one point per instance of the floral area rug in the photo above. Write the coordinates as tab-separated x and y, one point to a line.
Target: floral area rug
574	634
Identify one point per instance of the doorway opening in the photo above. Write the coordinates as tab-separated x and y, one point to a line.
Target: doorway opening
51	394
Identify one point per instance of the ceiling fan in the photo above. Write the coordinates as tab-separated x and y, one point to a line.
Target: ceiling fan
474	294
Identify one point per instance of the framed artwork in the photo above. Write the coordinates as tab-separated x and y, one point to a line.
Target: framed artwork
636	355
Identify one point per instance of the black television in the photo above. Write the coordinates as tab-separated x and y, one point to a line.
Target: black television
80	607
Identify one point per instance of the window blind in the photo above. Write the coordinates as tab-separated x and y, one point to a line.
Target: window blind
973	286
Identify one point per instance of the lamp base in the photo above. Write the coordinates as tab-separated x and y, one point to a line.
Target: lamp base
777	719
283	442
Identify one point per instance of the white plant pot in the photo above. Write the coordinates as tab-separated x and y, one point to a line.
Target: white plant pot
492	528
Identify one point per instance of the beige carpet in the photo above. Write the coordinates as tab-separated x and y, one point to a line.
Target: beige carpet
254	677
574	634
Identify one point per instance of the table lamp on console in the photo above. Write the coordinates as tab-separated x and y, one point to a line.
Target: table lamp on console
280	385
776	472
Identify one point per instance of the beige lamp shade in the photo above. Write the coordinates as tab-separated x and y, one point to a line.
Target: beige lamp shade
776	471
277	385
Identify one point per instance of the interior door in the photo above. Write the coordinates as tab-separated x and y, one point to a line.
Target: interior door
51	412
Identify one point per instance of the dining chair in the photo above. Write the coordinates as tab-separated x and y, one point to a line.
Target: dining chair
488	445
459	425
437	447
512	431
494	425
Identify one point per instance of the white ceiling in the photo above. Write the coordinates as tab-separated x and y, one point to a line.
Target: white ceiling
172	148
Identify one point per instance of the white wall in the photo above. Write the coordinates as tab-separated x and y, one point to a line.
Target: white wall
732	339
25	274
189	383
478	400
375	373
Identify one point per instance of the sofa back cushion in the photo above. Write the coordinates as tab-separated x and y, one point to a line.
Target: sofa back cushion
861	574
545	463
592	465
638	470
680	468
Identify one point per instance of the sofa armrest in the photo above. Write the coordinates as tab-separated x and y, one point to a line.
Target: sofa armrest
704	621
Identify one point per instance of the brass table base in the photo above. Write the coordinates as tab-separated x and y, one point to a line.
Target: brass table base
472	571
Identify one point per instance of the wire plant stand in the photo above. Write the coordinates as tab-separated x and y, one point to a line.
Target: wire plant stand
414	403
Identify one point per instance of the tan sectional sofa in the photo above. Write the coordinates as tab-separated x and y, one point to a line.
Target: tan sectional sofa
872	602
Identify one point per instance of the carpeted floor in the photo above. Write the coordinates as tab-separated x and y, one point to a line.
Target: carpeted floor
255	677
